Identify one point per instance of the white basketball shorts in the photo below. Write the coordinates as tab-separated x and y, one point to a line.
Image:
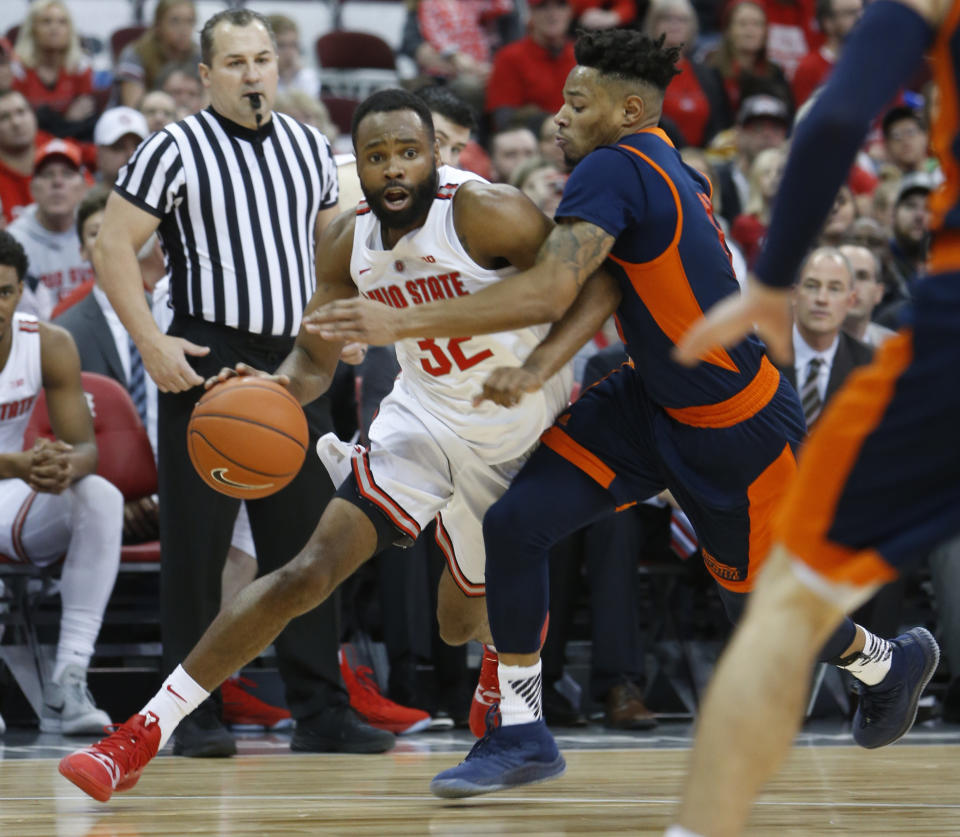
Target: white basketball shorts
417	469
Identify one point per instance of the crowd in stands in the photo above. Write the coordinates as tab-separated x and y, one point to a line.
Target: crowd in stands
492	72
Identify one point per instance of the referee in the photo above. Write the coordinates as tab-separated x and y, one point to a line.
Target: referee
238	195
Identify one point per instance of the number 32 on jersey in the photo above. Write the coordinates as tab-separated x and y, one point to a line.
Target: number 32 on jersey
442	359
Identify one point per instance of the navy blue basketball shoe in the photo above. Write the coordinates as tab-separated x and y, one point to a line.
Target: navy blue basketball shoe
888	709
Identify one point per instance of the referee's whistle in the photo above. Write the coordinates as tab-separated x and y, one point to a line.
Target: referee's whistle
254	100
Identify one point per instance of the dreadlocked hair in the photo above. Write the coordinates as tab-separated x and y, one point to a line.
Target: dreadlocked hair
628	55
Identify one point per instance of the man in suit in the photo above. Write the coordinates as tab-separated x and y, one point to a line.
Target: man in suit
105	348
823	354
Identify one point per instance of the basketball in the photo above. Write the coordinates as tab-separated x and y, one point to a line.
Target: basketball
247	437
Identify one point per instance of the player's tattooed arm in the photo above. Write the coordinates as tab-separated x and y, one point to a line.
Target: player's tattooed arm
599	298
497	225
575	250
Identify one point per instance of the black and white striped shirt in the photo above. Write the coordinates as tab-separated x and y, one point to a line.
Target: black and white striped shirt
237	212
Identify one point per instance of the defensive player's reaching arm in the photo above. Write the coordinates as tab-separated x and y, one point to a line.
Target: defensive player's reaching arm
599	298
308	370
541	293
824	147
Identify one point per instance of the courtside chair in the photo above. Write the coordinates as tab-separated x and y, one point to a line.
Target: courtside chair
355	64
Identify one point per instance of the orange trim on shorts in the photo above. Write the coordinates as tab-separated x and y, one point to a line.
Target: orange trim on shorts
764	495
468	588
576	454
740	407
944	252
829	456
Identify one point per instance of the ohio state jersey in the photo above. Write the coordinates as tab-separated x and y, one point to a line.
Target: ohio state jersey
21	380
444	374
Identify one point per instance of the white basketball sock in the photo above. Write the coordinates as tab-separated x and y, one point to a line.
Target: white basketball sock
89	568
680	831
521	694
871	665
179	695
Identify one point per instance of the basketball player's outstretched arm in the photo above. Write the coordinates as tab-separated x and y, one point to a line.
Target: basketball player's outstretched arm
494	222
599	298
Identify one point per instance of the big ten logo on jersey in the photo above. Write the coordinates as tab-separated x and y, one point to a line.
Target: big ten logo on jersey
419	291
91	404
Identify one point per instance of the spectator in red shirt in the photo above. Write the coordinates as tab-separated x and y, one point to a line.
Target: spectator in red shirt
52	72
532	71
791	32
458	35
604	14
836	18
168	41
19	141
694	101
18	131
750	228
742	56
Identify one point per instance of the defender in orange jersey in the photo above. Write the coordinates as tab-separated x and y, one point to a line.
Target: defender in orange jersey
879	482
721	436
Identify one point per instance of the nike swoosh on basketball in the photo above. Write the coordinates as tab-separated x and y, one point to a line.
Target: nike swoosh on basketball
177	696
219	475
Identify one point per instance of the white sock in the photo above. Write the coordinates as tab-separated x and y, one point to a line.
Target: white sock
521	694
680	831
871	665
179	695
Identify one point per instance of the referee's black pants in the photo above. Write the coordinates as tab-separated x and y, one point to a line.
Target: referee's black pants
196	523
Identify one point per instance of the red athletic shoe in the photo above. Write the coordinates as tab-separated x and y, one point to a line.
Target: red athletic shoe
371	705
487	693
114	763
242	710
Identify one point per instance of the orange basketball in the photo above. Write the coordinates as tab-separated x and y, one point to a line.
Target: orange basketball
247	437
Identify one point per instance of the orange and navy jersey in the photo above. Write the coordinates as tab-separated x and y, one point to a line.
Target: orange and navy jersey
670	261
945	141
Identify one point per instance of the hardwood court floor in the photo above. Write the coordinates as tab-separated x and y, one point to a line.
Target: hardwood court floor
907	789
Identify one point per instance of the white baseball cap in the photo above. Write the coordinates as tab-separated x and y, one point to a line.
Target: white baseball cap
118	122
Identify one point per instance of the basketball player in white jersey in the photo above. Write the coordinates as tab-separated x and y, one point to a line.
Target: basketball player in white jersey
51	502
423	235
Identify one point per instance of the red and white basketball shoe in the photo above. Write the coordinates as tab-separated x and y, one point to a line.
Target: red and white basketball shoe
114	763
245	711
367	700
487	693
